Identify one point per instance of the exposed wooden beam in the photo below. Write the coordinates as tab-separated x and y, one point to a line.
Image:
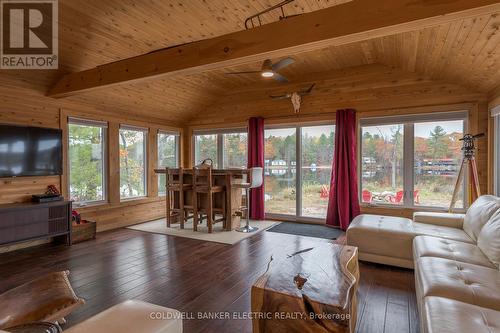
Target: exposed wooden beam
346	23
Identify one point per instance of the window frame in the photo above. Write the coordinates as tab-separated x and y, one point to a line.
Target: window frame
220	142
145	131
177	153
408	122
104	152
298	172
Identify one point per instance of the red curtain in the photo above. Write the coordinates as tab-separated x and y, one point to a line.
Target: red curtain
343	204
256	159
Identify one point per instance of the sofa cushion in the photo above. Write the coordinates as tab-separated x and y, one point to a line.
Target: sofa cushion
442	219
473	284
427	246
479	213
425	229
443	315
489	239
382	236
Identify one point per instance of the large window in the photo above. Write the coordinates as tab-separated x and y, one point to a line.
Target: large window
413	162
168	155
298	165
87	162
205	147
382	163
438	155
234	150
132	162
226	148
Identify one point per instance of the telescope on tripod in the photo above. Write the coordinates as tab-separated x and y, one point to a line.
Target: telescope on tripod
468	160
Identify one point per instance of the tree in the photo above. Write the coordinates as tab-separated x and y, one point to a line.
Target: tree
132	169
206	147
437	142
85	144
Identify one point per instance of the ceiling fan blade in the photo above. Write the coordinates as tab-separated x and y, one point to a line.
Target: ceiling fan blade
308	91
280	96
282	63
311	87
237	73
280	78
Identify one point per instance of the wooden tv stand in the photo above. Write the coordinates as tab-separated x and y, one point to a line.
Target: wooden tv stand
21	222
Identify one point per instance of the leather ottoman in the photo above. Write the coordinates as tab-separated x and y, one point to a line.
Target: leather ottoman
132	316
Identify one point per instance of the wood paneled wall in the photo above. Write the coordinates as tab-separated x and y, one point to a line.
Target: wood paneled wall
29	107
493	103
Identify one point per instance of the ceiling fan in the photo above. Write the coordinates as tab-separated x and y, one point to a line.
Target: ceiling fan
270	70
295	97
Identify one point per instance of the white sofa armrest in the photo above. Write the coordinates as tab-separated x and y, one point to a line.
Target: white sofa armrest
441	219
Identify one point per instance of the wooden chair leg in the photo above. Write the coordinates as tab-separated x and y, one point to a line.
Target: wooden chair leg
209	212
167	200
181	207
195	212
224	212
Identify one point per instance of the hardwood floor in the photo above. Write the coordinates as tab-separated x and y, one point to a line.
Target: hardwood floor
195	276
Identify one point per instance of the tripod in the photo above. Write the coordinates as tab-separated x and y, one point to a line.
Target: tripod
469	162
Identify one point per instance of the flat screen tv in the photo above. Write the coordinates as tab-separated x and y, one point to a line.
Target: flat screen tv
30	151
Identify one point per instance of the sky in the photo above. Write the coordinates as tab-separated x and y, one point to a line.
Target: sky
421	129
311	131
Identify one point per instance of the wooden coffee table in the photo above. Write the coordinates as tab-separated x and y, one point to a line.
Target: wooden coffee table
312	290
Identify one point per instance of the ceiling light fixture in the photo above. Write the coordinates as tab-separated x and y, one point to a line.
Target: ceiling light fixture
267	73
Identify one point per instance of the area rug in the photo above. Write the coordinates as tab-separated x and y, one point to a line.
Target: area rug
309	230
218	235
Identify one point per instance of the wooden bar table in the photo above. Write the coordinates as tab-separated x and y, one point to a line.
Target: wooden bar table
222	177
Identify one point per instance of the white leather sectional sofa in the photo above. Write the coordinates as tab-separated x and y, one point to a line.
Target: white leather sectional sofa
456	259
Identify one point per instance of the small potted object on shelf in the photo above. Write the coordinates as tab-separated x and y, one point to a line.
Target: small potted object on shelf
82	230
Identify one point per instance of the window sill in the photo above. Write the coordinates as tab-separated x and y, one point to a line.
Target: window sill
89	204
133	199
413	208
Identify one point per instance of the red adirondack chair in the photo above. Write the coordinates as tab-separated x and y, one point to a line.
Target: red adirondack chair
399	197
366	196
324	193
416	197
395	199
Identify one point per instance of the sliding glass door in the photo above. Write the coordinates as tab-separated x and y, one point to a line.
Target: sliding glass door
316	169
280	171
298	165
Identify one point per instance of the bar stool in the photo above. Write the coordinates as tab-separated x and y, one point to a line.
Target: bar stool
175	186
203	184
256	176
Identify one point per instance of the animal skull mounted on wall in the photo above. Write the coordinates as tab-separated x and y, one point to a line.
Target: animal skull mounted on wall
295	97
296	100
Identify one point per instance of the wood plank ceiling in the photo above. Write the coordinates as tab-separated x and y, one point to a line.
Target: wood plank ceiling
94	32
